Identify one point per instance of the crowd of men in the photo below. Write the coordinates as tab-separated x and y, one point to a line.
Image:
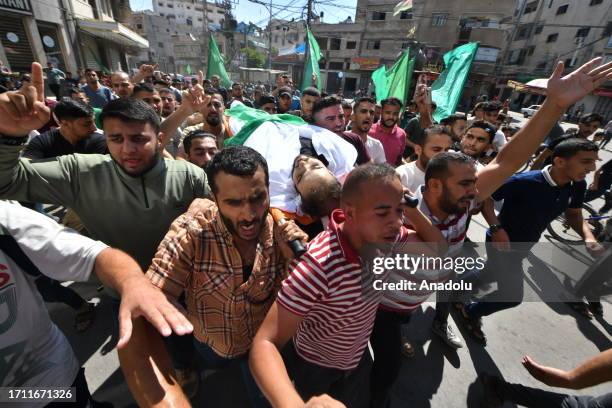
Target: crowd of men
204	276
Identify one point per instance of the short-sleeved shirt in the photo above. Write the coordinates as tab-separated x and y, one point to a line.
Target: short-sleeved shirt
198	257
324	287
37	354
52	144
394	142
100	97
362	153
54	76
532	200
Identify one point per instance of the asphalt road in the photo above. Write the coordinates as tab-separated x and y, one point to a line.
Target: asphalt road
436	377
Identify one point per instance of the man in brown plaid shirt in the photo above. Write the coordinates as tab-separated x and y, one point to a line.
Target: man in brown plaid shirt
229	260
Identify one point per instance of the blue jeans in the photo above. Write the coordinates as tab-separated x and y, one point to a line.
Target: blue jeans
209	360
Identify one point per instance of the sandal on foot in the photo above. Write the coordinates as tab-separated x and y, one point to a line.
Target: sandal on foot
581	308
474	326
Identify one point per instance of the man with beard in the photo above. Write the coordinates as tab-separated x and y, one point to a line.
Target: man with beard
532	200
200	147
233	236
456	125
477	139
328	114
98	94
436	141
392	137
453	185
149	95
361	122
121	84
126	199
212	109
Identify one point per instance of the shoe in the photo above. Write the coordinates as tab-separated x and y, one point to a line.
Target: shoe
596	308
491	398
581	308
189	381
447	334
473	325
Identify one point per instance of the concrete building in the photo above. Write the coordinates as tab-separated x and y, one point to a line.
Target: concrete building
288	45
69	33
547	31
353	50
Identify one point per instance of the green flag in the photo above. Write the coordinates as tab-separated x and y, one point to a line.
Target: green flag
400	76
446	90
394	81
215	64
188	70
379	78
311	66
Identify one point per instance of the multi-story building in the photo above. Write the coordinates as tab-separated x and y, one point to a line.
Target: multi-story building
288	44
352	50
69	33
547	31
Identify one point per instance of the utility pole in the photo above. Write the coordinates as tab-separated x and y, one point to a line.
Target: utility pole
309	13
205	39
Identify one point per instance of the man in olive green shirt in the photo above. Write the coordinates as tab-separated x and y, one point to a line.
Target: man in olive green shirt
127	199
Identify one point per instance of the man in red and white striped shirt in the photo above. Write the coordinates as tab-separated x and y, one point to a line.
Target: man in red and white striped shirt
324	310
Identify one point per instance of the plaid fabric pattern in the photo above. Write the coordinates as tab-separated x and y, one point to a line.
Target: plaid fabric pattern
198	257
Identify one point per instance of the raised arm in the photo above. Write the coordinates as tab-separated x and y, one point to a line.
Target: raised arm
193	100
562	92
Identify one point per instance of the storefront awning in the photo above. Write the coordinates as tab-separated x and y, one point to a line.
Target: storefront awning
113	31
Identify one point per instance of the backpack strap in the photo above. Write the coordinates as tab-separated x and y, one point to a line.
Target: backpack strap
11	248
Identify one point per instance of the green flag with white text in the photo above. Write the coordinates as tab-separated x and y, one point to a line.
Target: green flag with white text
311	65
447	89
216	65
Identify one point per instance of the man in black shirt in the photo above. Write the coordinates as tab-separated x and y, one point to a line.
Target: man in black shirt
76	133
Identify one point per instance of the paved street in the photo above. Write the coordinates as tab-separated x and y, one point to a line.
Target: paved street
437	377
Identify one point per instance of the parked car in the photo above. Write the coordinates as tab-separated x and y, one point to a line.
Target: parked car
527	112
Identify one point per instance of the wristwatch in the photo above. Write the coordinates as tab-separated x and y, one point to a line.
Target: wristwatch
495	227
13	140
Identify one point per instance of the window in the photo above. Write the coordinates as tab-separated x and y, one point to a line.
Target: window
609	43
139	26
378	16
406	15
160	44
220	12
351	45
162	14
336	65
438	19
405	45
189	21
523	32
322	43
531	7
170	5
188	8
583	32
373	45
160	4
552	38
200	19
513	56
538	29
334	44
562	9
276	38
531	50
595	2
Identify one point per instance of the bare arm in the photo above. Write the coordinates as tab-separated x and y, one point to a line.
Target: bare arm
592	372
192	101
576	221
562	92
430	234
144	71
266	362
147	368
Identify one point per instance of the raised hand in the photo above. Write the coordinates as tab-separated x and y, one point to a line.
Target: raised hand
193	98
567	90
24	110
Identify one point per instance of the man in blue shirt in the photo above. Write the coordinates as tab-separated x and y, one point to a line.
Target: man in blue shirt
98	94
54	79
533	200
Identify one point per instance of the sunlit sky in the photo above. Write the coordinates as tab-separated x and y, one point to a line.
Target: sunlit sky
244	10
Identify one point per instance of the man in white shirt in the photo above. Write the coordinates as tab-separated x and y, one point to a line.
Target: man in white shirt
362	119
35	352
436	140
